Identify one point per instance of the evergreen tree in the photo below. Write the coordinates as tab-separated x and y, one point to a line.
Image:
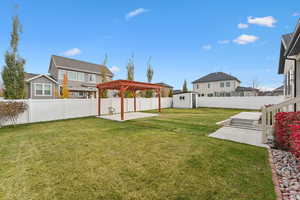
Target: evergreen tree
130	69
65	89
130	74
103	73
13	71
184	87
150	72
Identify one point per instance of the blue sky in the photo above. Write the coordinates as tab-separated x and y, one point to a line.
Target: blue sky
186	39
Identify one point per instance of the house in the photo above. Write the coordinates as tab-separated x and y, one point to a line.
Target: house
216	84
246	91
82	79
289	63
41	86
278	91
166	90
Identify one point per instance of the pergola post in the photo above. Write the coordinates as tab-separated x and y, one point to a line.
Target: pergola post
133	92
99	102
122	102
159	99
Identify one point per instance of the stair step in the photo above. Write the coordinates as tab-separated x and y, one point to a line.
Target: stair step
246	127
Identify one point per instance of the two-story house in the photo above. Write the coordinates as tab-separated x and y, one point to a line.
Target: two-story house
216	84
82	79
289	62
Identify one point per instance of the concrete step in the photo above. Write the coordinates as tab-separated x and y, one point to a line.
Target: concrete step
257	128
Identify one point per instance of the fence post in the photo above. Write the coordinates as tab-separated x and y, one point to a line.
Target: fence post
29	110
264	124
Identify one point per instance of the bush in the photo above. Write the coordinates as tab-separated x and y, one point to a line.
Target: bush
287	132
10	111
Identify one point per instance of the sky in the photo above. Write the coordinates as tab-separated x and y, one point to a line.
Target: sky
185	39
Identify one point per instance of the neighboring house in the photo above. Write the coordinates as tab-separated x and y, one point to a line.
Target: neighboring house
246	91
278	91
289	63
216	84
177	92
82	79
166	90
41	86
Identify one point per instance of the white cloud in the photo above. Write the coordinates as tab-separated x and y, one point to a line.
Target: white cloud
135	13
207	47
224	41
72	52
245	39
268	21
114	69
242	26
296	14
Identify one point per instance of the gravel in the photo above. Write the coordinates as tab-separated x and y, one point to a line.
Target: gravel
288	173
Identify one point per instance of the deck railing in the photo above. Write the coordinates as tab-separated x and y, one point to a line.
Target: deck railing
269	112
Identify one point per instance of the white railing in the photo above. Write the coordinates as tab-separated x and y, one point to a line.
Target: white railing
269	112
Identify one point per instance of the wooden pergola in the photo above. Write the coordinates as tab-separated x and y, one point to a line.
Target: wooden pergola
125	85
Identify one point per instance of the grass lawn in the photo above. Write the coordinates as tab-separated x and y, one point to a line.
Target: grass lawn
165	157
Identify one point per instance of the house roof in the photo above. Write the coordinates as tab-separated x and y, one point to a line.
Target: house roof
245	89
29	77
77	65
216	76
165	85
290	46
279	89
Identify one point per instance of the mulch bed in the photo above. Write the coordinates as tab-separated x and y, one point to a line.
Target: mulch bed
286	174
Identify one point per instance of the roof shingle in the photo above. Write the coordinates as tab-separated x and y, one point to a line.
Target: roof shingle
68	63
216	76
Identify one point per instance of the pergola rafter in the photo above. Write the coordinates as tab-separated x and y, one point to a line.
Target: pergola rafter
126	85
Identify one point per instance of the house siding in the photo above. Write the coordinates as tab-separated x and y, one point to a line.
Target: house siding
202	88
31	88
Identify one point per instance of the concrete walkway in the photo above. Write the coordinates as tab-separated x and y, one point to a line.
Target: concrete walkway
252	137
127	116
247	116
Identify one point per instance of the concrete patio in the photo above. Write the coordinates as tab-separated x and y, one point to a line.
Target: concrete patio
128	116
246	136
243	128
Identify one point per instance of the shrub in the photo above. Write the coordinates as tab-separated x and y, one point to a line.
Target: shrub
295	139
10	111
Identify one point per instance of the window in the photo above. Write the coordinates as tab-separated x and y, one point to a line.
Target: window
222	84
80	76
38	89
61	74
227	84
208	85
181	97
92	78
197	86
43	89
72	76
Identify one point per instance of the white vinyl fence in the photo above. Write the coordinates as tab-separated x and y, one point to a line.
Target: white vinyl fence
56	109
255	102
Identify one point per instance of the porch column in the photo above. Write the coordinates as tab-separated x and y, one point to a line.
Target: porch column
122	102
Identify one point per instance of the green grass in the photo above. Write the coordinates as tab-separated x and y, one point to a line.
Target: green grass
165	157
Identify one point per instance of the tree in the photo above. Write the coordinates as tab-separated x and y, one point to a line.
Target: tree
150	72
13	71
65	89
255	83
103	73
130	69
130	74
184	87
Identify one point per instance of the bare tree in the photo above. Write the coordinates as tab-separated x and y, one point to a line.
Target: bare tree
255	83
